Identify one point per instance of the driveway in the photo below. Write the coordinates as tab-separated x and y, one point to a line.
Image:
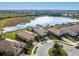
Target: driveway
43	48
68	41
71	50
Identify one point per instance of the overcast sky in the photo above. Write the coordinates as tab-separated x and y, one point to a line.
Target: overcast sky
39	5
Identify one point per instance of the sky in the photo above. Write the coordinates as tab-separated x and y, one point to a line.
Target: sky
39	5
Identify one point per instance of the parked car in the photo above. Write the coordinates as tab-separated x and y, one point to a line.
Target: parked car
77	47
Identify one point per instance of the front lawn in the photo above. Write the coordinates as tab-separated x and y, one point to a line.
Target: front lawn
73	39
55	39
63	52
30	49
52	52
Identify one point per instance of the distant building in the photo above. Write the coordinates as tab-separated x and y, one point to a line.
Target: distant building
26	35
40	31
12	46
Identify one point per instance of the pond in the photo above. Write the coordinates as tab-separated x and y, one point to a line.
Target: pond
44	20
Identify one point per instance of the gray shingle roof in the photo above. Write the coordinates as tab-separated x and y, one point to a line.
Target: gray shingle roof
70	29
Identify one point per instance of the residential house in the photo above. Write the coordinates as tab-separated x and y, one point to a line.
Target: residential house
11	46
26	35
40	31
55	32
70	30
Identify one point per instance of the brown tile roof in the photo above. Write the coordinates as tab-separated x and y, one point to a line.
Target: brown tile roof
7	45
26	35
55	31
40	31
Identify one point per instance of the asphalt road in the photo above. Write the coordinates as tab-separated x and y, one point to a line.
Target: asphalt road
43	48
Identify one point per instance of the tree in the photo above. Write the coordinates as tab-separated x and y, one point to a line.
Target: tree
58	26
29	28
57	49
56	45
1	30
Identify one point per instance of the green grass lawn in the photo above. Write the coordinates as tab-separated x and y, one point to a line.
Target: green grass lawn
55	39
73	39
35	50
63	52
30	50
11	35
52	51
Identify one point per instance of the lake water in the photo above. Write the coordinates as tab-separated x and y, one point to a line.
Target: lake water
45	20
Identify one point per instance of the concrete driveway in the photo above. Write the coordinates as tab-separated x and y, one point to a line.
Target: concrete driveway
67	40
71	50
43	48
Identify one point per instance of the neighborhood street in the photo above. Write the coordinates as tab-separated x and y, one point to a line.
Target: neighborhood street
43	48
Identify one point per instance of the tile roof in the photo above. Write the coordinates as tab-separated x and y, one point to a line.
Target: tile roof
7	45
70	29
40	31
26	35
55	31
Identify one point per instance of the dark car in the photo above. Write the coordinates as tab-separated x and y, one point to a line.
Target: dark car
77	47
